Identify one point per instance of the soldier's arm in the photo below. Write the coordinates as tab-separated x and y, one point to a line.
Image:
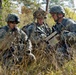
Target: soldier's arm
5	40
28	46
69	33
28	29
71	26
26	41
2	34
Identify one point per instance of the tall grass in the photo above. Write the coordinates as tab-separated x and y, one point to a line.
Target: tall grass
46	64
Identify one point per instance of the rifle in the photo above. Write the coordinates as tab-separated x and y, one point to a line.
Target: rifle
52	39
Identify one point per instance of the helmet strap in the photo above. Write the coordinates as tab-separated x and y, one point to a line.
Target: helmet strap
58	18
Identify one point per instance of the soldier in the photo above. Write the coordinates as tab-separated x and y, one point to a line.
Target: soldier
38	30
13	41
65	27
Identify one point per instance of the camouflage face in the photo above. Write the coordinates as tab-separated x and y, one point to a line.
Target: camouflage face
12	18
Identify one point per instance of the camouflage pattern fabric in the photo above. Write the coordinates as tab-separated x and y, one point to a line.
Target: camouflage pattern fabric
66	28
39	14
67	31
57	9
37	33
15	43
13	17
70	37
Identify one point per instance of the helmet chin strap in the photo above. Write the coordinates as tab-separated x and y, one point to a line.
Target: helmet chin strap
58	18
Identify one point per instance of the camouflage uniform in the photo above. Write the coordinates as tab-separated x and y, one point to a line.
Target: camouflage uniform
36	32
66	29
14	42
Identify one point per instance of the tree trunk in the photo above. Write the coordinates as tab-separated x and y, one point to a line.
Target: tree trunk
0	12
0	5
47	5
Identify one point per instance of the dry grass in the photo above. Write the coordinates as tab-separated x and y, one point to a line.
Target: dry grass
46	64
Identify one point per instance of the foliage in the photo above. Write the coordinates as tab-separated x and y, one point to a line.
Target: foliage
30	4
55	1
25	19
46	63
5	10
0	12
63	2
0	19
70	13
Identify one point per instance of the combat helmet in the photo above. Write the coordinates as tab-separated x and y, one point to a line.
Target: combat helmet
13	17
39	14
57	9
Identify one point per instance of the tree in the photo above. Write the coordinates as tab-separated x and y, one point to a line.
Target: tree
6	9
0	11
47	5
69	3
0	4
32	4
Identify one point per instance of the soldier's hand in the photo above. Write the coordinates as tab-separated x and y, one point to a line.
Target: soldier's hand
71	38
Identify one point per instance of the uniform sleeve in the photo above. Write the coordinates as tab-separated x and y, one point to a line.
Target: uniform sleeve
69	33
2	33
28	46
28	29
69	37
26	41
5	39
71	26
